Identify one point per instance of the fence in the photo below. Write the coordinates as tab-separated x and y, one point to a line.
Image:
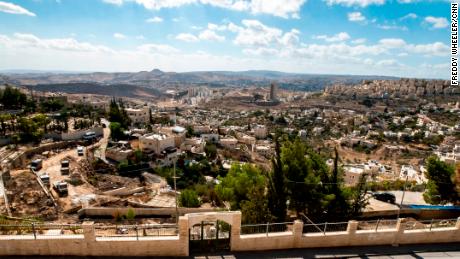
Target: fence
172	240
325	227
266	228
430	224
41	229
377	225
147	230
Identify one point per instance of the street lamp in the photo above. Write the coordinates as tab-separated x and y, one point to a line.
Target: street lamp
175	188
403	194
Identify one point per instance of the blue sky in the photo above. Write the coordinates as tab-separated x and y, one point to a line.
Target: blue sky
407	38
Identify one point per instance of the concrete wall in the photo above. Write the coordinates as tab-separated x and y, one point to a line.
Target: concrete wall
75	135
88	245
109	212
351	237
21	159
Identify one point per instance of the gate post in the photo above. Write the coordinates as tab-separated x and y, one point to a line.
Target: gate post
297	232
400	226
184	234
235	230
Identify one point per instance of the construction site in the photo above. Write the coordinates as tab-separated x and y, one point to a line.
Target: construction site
72	183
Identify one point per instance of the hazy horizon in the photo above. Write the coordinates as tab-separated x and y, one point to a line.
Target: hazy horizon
339	37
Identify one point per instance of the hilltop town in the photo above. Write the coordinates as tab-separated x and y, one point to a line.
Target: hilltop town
65	154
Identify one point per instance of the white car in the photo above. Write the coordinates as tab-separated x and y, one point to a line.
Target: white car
80	151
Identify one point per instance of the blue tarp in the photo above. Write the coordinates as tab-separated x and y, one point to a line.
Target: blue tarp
434	207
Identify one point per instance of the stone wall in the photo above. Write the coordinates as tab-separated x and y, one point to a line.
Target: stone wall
90	245
351	237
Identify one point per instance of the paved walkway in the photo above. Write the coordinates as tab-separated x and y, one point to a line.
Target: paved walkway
409	251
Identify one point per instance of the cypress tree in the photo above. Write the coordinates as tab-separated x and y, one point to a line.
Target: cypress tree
277	186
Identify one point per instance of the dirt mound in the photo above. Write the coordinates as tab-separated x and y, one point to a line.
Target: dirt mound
27	198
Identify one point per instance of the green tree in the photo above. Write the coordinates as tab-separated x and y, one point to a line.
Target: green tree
117	113
240	181
255	209
277	186
189	198
359	200
116	131
337	205
29	130
441	188
5	122
211	151
12	98
303	184
42	121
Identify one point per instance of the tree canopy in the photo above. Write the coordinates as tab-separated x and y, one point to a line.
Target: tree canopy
441	188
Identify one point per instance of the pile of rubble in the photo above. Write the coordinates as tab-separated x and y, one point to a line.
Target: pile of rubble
26	197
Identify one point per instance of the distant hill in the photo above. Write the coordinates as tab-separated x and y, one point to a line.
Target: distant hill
117	90
157	79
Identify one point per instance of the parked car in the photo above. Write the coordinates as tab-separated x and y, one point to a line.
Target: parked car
385	196
45	179
80	151
36	165
61	188
65	170
89	136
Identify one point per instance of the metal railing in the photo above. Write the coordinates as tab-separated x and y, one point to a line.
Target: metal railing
266	228
430	224
41	229
376	225
325	227
146	230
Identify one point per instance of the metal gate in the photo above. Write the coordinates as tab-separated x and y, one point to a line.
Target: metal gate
210	236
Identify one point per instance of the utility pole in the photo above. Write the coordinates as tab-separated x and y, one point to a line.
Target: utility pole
403	194
175	191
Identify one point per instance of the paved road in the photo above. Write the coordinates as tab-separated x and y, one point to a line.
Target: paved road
409	251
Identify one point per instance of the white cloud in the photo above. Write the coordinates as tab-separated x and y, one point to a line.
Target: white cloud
359	41
140	37
392	27
24	40
342	36
290	38
207	34
115	2
388	62
392	43
361	3
437	22
187	37
216	27
159	4
119	36
356	17
210	35
31	52
255	33
157	48
409	16
261	51
14	9
284	9
155	19
430	49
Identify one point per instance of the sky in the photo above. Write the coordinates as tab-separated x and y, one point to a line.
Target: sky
407	38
